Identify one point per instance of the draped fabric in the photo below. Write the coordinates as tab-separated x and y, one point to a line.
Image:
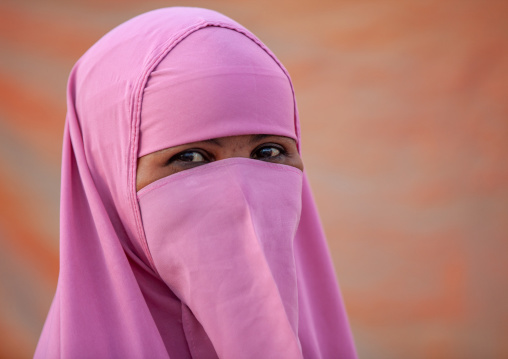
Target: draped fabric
138	281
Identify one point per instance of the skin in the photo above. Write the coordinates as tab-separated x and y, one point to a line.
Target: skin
269	148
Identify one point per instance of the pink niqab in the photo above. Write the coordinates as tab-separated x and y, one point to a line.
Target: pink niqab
224	260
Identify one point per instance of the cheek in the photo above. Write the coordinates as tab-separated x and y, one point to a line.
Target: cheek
295	160
147	174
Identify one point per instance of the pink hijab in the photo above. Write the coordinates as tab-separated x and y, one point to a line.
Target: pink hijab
224	260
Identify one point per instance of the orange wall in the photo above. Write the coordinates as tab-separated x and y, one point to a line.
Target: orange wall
404	110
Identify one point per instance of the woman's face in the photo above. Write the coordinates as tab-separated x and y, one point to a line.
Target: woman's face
269	148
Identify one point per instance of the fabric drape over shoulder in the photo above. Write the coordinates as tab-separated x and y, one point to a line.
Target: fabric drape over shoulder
137	278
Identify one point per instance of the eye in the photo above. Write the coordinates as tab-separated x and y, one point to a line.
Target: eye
188	156
268	152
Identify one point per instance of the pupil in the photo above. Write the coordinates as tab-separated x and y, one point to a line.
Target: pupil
268	152
188	156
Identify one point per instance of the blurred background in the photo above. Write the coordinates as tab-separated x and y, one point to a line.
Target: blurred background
404	111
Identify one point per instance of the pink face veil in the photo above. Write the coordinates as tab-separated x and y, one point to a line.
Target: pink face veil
225	260
221	237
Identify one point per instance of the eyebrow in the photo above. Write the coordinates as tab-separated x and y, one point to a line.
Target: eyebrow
213	140
254	138
257	138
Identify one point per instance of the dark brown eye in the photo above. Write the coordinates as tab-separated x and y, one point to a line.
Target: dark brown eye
267	152
190	156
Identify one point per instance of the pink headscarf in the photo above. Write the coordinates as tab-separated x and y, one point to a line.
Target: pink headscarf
138	278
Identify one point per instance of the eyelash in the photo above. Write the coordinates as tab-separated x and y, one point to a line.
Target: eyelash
207	157
281	149
178	156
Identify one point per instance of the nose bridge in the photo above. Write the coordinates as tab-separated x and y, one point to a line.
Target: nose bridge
236	153
234	146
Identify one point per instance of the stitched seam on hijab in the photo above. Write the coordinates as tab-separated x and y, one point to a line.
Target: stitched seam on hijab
135	106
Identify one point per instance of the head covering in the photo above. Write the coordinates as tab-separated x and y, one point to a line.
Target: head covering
135	280
215	83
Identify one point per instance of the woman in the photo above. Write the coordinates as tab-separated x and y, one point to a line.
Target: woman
187	225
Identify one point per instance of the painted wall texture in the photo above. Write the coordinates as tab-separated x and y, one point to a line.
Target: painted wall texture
404	110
